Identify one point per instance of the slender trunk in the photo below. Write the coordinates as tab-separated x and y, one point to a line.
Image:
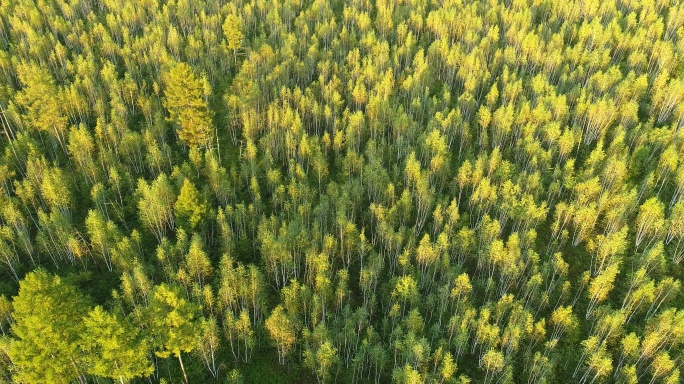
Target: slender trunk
81	379
10	140
183	368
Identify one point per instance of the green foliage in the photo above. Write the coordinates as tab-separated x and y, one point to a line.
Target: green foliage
185	100
281	330
172	321
40	100
361	191
156	205
232	30
115	347
189	209
48	327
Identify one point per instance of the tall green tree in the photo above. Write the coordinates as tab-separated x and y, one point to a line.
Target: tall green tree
41	102
173	324
103	234
190	209
185	99
156	205
48	327
232	30
114	347
282	332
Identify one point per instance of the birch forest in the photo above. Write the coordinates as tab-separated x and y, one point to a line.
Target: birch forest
341	191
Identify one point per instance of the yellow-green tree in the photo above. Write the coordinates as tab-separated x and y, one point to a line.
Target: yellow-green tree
190	209
282	332
114	347
185	98
172	324
232	30
40	101
48	327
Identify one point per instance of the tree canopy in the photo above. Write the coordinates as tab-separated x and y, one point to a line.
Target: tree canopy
409	191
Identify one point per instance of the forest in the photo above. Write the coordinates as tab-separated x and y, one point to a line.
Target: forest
341	191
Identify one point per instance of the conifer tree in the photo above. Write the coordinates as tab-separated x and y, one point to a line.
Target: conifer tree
185	99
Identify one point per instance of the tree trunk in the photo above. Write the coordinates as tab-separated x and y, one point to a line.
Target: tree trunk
81	379
185	376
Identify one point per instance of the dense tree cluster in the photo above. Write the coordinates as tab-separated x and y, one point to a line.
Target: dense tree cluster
408	191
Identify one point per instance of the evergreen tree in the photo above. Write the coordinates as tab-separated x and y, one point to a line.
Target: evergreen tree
185	99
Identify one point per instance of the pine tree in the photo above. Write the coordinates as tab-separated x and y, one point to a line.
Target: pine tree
185	100
189	208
